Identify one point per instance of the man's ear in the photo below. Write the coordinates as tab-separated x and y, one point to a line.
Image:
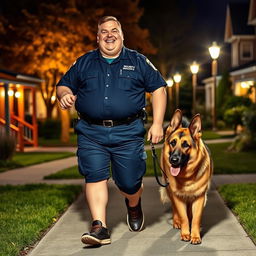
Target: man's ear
98	39
175	121
195	127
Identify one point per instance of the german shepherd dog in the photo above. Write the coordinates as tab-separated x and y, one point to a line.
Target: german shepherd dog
187	166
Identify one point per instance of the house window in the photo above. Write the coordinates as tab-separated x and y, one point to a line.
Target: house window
246	51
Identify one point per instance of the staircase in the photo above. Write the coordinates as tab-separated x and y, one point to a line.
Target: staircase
24	132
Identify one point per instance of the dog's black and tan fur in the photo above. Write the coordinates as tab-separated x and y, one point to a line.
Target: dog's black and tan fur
188	167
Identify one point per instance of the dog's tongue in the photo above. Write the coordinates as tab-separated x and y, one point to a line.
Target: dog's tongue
175	171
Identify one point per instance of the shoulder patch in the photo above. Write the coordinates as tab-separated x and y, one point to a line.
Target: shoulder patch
151	64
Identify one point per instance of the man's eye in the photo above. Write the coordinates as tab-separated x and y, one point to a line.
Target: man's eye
185	144
173	143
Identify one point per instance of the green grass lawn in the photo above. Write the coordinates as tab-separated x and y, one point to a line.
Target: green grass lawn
224	163
240	198
30	158
57	143
29	210
69	173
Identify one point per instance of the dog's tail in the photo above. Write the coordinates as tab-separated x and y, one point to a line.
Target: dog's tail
164	196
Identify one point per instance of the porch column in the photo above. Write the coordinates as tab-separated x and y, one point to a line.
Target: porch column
34	121
7	109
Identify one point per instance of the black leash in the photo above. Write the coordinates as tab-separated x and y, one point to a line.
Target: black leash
155	160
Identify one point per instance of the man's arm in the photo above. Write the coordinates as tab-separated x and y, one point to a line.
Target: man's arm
156	132
65	97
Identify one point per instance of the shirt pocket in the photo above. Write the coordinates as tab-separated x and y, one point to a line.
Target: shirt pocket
90	81
128	80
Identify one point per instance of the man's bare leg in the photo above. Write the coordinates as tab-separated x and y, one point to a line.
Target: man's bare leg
97	198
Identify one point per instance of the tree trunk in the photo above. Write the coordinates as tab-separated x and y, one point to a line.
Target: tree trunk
65	125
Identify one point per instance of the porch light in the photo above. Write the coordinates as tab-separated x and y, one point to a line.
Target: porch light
10	92
17	94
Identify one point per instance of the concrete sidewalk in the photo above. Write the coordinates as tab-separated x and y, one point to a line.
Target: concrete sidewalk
222	233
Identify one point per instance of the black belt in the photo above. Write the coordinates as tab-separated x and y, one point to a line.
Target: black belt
111	123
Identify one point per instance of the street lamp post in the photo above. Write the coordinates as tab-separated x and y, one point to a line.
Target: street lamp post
177	79
214	52
194	70
169	92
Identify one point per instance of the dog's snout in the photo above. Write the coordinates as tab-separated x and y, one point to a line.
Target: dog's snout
175	159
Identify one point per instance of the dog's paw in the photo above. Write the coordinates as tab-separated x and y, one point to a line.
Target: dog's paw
185	237
196	240
176	225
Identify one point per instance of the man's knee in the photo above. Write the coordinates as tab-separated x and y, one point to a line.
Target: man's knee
130	189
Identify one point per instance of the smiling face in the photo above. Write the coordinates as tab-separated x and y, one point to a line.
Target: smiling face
110	39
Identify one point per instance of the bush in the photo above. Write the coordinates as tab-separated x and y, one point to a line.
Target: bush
7	146
234	115
50	129
249	119
235	101
247	139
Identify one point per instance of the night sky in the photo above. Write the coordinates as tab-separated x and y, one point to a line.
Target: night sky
208	22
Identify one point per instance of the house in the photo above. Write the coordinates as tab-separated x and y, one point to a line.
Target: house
18	105
240	33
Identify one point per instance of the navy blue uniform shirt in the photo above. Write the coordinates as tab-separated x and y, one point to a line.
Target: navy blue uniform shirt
111	91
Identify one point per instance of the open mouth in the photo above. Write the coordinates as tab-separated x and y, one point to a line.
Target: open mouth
110	41
175	170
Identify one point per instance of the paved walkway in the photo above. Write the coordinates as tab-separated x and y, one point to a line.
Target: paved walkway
222	233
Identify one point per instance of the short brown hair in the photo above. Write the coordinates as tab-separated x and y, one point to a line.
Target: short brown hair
108	18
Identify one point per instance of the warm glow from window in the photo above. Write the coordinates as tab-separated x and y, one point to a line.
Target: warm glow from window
247	84
2	93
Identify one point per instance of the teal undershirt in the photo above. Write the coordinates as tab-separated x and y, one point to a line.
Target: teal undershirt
109	60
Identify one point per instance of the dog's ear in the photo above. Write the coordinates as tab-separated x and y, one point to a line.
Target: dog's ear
175	121
195	127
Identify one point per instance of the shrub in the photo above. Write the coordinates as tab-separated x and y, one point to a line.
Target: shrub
233	116
50	129
7	146
235	101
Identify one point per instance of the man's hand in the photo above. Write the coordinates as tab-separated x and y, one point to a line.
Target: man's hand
155	133
67	100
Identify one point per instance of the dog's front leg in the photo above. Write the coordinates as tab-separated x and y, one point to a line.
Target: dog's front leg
197	210
182	212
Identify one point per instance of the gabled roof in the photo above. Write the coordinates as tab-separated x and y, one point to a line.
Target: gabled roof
252	13
236	21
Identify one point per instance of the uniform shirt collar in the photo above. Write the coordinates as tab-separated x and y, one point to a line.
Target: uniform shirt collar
122	55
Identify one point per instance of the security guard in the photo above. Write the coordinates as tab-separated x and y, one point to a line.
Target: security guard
108	88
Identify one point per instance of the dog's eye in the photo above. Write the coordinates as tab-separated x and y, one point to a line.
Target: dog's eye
185	144
173	143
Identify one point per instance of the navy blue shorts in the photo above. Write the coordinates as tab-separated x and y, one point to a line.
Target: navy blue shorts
121	146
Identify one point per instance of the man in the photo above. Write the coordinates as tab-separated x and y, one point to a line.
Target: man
108	88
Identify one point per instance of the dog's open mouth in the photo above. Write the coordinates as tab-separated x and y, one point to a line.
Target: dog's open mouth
175	170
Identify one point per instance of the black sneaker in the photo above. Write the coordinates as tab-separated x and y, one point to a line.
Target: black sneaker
97	236
135	217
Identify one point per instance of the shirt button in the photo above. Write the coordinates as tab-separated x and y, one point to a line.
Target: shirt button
107	85
106	98
107	74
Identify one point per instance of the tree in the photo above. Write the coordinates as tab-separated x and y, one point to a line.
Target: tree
223	92
48	40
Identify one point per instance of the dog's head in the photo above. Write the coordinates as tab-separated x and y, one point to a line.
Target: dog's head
181	141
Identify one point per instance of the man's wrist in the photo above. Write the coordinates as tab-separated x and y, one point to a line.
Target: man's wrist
64	94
